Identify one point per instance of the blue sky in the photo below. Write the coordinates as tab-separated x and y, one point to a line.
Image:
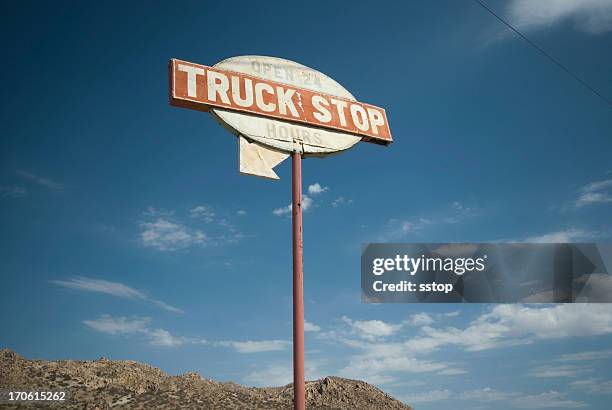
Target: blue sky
127	231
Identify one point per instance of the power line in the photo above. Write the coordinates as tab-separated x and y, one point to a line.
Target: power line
551	58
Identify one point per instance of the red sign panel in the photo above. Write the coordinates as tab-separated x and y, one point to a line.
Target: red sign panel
200	87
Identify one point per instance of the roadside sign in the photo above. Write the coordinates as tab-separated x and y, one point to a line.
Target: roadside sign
278	108
278	105
283	90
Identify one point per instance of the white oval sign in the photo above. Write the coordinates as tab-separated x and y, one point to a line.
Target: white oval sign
282	135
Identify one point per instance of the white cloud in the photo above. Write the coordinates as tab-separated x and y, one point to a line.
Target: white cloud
381	349
258	346
393	364
591	16
486	394
406	383
280	374
44	182
308	201
598	186
12	192
586	356
202	212
589	198
555	371
136	325
153	212
451	372
341	201
272	375
306	204
100	286
395	228
118	325
453	313
598	192
507	325
166	231
169	236
568	235
406	226
384	370
420	319
379	363
241	212
231	234
454	213
382	354
311	327
283	211
111	288
370	329
571	365
377	360
550	399
316	189
593	385
163	338
165	306
428	397
502	326
463	211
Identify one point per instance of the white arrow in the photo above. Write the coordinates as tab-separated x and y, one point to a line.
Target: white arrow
258	160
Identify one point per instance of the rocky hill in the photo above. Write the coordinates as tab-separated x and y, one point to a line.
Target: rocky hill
104	384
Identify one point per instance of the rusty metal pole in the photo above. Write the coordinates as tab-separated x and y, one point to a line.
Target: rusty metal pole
299	391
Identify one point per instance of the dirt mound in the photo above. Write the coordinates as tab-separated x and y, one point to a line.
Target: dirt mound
103	384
